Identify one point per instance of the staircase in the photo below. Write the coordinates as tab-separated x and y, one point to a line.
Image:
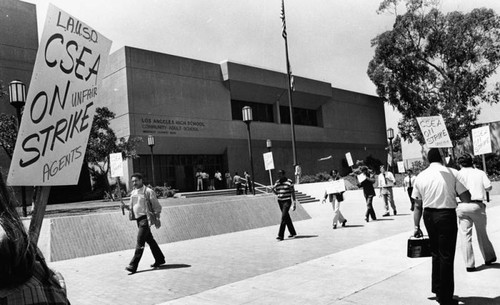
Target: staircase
304	198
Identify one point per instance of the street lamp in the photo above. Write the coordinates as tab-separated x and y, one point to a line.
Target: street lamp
151	143
390	136
248	118
17	98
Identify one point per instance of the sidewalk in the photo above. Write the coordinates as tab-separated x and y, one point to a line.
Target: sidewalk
363	263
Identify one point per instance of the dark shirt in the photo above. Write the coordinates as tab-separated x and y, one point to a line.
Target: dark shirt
367	186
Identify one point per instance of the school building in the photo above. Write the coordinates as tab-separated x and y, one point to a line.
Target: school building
194	110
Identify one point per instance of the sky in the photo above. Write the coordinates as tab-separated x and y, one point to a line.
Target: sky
329	40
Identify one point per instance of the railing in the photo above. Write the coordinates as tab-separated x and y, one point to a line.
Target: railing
261	188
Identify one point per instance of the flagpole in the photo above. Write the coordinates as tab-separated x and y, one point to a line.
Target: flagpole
289	75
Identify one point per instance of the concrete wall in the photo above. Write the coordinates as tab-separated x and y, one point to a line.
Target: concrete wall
18	47
77	236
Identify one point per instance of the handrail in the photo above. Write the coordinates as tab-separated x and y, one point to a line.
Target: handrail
260	187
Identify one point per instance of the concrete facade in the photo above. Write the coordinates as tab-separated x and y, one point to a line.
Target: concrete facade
192	108
18	47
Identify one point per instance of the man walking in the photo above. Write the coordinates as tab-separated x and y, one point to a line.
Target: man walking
386	181
145	209
285	191
435	192
408	184
474	213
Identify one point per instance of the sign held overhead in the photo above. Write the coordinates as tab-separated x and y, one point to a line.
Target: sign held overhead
434	131
61	102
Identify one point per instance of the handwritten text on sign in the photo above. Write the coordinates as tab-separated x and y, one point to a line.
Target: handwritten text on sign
61	102
434	131
481	139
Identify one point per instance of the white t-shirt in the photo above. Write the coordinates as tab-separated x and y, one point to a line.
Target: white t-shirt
475	181
437	187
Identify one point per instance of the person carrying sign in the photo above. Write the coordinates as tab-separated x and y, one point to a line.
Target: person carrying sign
474	213
366	180
145	209
335	199
386	181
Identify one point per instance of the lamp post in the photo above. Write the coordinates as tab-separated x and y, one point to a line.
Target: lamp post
17	98
390	136
151	143
248	118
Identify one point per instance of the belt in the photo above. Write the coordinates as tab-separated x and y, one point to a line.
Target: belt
476	201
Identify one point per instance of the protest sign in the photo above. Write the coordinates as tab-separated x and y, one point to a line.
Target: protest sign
337	186
349	159
116	164
434	131
401	167
481	140
268	161
361	178
61	102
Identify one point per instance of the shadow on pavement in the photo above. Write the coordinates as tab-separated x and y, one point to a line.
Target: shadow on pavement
406	214
479	300
166	267
382	219
305	236
492	266
354	226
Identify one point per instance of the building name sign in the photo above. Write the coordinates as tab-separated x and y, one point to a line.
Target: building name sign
171	126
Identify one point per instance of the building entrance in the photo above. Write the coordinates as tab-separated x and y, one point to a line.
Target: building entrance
178	171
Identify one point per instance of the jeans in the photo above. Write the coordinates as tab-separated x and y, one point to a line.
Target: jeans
285	218
388	198
441	225
144	236
370	212
412	201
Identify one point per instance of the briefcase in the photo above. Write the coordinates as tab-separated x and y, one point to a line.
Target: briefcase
419	247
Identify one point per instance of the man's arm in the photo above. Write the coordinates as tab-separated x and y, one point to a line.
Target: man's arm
465	196
417	215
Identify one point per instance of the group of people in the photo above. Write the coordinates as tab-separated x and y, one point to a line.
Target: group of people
435	191
242	183
206	182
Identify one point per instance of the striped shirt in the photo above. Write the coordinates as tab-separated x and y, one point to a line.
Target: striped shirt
284	190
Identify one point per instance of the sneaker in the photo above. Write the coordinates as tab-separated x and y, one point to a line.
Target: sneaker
292	235
334	226
343	222
279	238
395	212
471	269
386	214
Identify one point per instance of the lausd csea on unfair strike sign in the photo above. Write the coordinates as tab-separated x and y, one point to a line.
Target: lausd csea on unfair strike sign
61	102
434	131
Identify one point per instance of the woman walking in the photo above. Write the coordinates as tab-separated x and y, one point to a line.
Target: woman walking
335	199
366	182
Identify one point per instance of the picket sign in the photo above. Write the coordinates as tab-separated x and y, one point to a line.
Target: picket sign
60	106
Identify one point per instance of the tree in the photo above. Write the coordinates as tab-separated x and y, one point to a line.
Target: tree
8	133
8	127
102	142
433	63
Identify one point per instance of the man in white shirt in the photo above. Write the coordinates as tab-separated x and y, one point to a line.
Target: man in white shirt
408	184
386	181
474	213
435	192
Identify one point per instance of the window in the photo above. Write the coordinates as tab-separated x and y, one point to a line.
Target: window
261	112
301	116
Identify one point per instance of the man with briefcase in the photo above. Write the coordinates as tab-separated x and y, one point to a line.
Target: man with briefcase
435	192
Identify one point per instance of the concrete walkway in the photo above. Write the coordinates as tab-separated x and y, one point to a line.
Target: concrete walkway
363	263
